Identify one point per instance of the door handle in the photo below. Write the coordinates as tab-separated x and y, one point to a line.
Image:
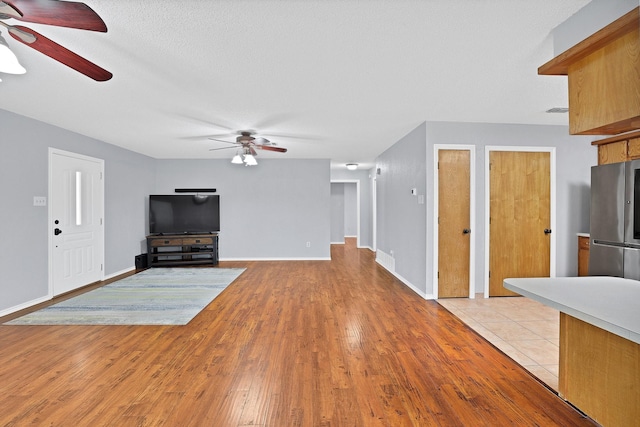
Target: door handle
466	231
57	231
547	231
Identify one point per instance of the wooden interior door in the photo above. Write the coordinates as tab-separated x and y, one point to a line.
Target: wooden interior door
519	218
454	206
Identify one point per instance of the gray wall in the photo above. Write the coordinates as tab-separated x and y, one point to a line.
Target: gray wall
269	211
401	222
574	157
337	213
364	179
24	174
591	18
344	211
350	210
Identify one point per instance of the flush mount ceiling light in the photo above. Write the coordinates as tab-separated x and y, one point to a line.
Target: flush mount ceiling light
352	166
8	61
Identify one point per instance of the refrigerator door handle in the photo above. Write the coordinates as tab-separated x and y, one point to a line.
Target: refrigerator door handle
607	243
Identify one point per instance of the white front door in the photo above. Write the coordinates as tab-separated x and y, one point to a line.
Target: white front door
76	200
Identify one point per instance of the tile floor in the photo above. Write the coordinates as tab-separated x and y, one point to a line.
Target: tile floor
525	330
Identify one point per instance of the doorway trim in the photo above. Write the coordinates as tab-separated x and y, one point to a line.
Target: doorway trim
50	225
472	214
552	204
357	182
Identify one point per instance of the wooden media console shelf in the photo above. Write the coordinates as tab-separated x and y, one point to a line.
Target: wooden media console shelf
174	250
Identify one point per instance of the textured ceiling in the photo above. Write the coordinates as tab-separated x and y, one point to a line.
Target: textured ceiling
334	79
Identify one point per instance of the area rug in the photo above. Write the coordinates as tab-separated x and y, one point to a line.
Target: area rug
157	296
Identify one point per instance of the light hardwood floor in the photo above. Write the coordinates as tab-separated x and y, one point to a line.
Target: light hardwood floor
300	343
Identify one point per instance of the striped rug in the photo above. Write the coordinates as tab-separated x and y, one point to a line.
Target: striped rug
157	296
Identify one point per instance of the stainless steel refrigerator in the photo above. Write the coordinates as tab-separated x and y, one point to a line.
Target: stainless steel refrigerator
615	220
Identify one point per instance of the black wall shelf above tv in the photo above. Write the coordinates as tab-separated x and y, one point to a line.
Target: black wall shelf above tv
195	190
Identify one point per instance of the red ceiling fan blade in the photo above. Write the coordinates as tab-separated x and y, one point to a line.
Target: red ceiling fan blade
62	54
60	13
272	148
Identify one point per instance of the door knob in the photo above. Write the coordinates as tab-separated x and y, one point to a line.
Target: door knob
547	231
57	231
466	231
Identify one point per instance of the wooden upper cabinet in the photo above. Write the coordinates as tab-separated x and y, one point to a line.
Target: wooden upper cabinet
604	78
619	148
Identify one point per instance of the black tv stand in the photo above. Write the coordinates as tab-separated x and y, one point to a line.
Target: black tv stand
182	249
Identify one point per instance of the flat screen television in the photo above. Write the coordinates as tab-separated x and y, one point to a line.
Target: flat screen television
184	214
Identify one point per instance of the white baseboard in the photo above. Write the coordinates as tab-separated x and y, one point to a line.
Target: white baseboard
118	273
50	297
398	276
24	305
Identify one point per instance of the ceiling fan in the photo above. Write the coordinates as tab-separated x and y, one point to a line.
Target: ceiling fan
59	13
245	144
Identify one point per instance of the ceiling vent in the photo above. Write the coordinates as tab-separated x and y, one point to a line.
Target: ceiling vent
558	110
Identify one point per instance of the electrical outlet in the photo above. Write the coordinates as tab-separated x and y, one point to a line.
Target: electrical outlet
308	244
39	201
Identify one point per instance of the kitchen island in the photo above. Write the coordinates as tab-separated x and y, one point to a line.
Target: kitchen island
599	369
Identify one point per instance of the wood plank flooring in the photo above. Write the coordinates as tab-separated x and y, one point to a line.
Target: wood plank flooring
300	343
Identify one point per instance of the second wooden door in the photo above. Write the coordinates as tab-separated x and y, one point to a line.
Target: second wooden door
519	218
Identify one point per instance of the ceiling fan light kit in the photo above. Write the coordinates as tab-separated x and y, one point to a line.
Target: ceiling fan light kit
237	159
249	160
8	60
248	143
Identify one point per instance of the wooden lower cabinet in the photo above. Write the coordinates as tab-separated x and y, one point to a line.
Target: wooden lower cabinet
583	255
599	372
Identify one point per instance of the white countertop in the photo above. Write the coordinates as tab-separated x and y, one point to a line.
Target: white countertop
583	234
610	303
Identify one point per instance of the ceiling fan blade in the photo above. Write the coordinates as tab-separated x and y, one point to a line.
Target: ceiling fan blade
60	13
61	54
252	151
260	141
272	148
226	142
223	148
